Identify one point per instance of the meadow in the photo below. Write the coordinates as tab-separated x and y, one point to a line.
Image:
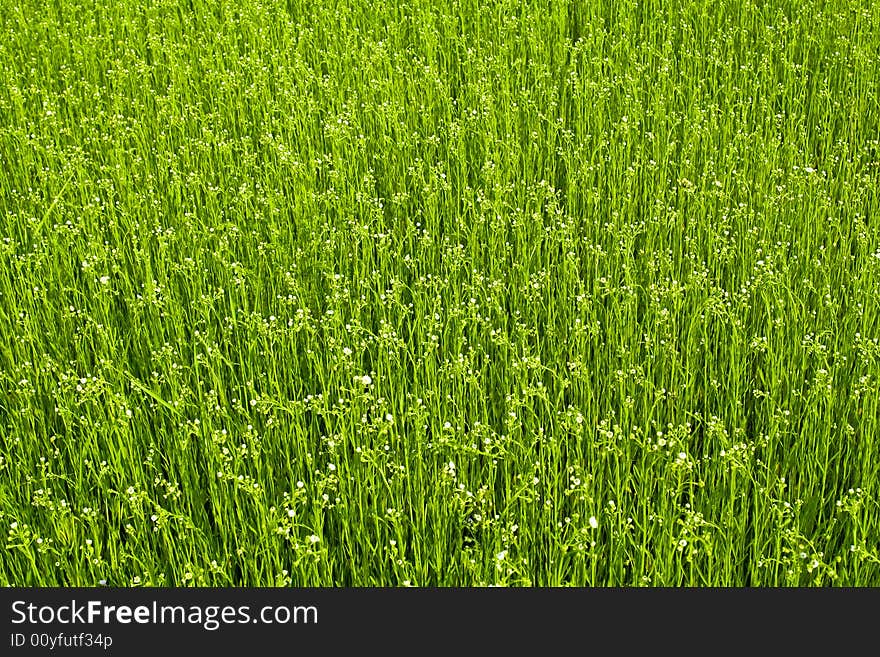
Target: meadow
440	292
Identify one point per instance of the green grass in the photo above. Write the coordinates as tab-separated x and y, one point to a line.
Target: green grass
440	293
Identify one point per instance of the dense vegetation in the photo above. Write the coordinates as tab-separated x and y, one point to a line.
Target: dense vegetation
440	292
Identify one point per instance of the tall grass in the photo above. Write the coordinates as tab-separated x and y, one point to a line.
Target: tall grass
440	293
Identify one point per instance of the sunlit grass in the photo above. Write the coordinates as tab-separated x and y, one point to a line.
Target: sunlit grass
440	293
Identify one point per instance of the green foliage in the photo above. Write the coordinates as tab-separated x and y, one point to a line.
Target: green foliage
440	293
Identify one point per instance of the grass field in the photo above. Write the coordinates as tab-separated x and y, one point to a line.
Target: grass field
440	292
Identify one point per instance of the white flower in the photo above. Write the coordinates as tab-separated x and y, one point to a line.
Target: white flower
594	522
366	379
314	539
346	351
104	280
